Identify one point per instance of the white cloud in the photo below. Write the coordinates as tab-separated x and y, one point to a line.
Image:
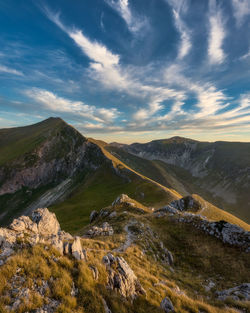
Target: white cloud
8	70
217	34
241	10
133	22
179	8
59	104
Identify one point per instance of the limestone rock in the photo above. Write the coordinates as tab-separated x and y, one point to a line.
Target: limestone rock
104	230
123	199
167	305
238	293
77	251
23	223
46	221
121	277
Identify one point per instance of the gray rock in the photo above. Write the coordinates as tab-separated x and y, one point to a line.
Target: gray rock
167	305
238	293
93	216
95	272
46	221
104	230
121	277
77	251
123	199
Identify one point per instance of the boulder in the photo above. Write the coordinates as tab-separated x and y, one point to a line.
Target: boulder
238	293
77	251
46	221
121	277
93	215
167	305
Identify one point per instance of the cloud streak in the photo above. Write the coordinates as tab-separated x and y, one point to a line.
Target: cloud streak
134	23
54	103
9	70
217	34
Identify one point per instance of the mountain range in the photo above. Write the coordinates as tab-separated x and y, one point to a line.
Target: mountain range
154	227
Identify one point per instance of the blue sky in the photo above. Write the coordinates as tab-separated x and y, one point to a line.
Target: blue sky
128	70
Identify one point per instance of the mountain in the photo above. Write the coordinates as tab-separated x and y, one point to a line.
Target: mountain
130	258
123	233
52	163
218	171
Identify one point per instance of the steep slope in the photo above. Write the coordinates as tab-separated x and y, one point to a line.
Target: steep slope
49	155
127	260
219	171
50	163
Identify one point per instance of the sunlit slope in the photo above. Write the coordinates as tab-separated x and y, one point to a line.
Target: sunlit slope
166	175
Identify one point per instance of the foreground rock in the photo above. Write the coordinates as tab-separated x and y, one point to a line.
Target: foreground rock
42	227
238	293
121	277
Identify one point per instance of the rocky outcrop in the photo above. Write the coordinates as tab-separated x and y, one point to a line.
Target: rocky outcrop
167	305
123	199
226	232
183	204
121	277
238	293
104	230
42	227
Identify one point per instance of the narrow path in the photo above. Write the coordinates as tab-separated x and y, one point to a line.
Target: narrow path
129	238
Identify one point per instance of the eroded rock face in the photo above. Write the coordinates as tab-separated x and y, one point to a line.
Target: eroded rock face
121	277
104	230
183	204
46	221
43	227
238	293
167	305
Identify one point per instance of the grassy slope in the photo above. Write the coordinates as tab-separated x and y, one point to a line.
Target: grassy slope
15	142
99	189
198	259
168	175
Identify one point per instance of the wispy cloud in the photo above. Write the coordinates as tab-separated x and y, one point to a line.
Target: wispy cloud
241	10
217	34
134	22
180	8
56	103
9	70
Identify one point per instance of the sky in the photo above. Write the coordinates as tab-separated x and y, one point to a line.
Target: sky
128	70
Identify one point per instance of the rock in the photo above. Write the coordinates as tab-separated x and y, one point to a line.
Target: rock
93	215
123	199
23	223
186	203
46	221
104	230
57	244
113	214
95	272
121	277
167	305
77	250
238	293
106	308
